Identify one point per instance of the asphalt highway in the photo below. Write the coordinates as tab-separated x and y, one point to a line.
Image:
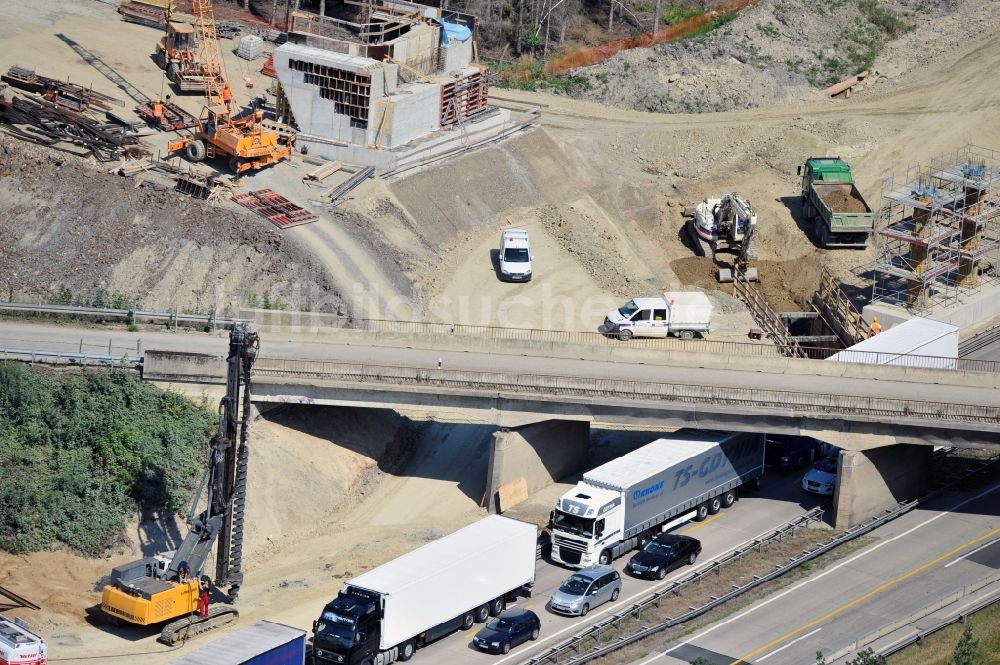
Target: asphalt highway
919	558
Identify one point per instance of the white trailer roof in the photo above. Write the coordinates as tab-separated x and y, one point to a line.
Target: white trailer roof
652	458
442	554
239	647
687	298
906	337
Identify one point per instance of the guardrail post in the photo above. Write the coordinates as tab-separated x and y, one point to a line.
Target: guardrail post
81	346
109	346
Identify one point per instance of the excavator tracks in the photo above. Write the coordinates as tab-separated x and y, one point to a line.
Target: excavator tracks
191	626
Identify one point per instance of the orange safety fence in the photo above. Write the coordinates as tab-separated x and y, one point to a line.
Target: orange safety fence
595	54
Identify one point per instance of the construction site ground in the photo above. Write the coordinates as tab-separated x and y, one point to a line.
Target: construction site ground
601	191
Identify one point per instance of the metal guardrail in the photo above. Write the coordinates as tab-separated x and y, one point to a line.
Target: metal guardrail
128	315
60	357
582	386
978	341
919	635
320	321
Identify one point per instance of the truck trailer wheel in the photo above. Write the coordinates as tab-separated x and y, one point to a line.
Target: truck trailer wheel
714	505
468	620
482	613
728	499
407	650
701	512
496	606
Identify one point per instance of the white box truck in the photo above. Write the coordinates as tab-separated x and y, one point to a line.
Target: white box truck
515	256
387	613
681	313
618	506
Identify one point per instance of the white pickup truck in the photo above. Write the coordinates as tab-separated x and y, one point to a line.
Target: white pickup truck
682	313
515	256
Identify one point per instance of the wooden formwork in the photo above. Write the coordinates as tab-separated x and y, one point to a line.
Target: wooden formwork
464	98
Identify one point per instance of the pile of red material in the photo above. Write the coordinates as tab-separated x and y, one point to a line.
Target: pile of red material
268	68
282	212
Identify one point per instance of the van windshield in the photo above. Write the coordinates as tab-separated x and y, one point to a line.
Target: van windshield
515	255
628	309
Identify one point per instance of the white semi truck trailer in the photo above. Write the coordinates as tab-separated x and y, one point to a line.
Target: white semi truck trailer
618	506
387	613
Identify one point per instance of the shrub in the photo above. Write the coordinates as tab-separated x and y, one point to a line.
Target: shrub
81	452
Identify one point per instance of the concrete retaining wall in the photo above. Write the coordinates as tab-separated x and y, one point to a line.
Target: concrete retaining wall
869	482
185	367
531	458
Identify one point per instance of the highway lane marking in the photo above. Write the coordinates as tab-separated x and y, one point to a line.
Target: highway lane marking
780	649
826	572
698	526
968	554
862	598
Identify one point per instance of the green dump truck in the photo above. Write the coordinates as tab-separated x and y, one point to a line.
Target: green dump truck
832	203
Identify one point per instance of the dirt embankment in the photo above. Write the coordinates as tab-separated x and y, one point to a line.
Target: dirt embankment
787	285
780	52
73	232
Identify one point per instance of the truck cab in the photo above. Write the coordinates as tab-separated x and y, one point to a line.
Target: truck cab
515	256
585	521
347	630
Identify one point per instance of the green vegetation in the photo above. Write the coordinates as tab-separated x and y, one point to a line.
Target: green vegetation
977	642
83	451
857	46
98	298
266	301
676	12
769	30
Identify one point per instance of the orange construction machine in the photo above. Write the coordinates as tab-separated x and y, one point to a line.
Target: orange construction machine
171	587
223	130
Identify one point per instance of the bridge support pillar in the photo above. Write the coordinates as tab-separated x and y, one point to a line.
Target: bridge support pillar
526	459
871	481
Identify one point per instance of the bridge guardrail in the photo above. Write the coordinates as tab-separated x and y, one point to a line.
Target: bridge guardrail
124	360
129	315
621	388
320	321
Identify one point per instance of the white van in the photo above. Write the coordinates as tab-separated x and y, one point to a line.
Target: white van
515	256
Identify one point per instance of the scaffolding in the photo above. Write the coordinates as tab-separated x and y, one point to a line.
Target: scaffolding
939	231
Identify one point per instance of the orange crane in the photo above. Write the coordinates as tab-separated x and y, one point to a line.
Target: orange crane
222	129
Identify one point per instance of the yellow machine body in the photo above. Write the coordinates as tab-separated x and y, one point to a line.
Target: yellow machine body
142	608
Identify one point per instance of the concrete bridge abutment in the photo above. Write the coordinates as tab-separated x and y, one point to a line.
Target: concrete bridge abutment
526	459
872	481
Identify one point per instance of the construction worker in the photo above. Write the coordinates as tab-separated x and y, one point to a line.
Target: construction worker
158	110
227	94
183	572
205	588
875	328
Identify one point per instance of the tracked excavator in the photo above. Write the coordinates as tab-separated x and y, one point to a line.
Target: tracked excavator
725	226
165	587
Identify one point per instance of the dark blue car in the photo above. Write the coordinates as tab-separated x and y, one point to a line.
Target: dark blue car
508	629
790	453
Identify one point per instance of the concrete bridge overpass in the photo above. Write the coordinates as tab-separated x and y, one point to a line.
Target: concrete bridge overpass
510	383
886	418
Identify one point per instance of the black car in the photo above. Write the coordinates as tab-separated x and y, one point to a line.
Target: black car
662	554
508	629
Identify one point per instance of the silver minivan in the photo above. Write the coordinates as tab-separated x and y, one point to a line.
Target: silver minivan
585	590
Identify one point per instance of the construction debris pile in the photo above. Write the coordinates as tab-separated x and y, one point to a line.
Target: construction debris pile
41	121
